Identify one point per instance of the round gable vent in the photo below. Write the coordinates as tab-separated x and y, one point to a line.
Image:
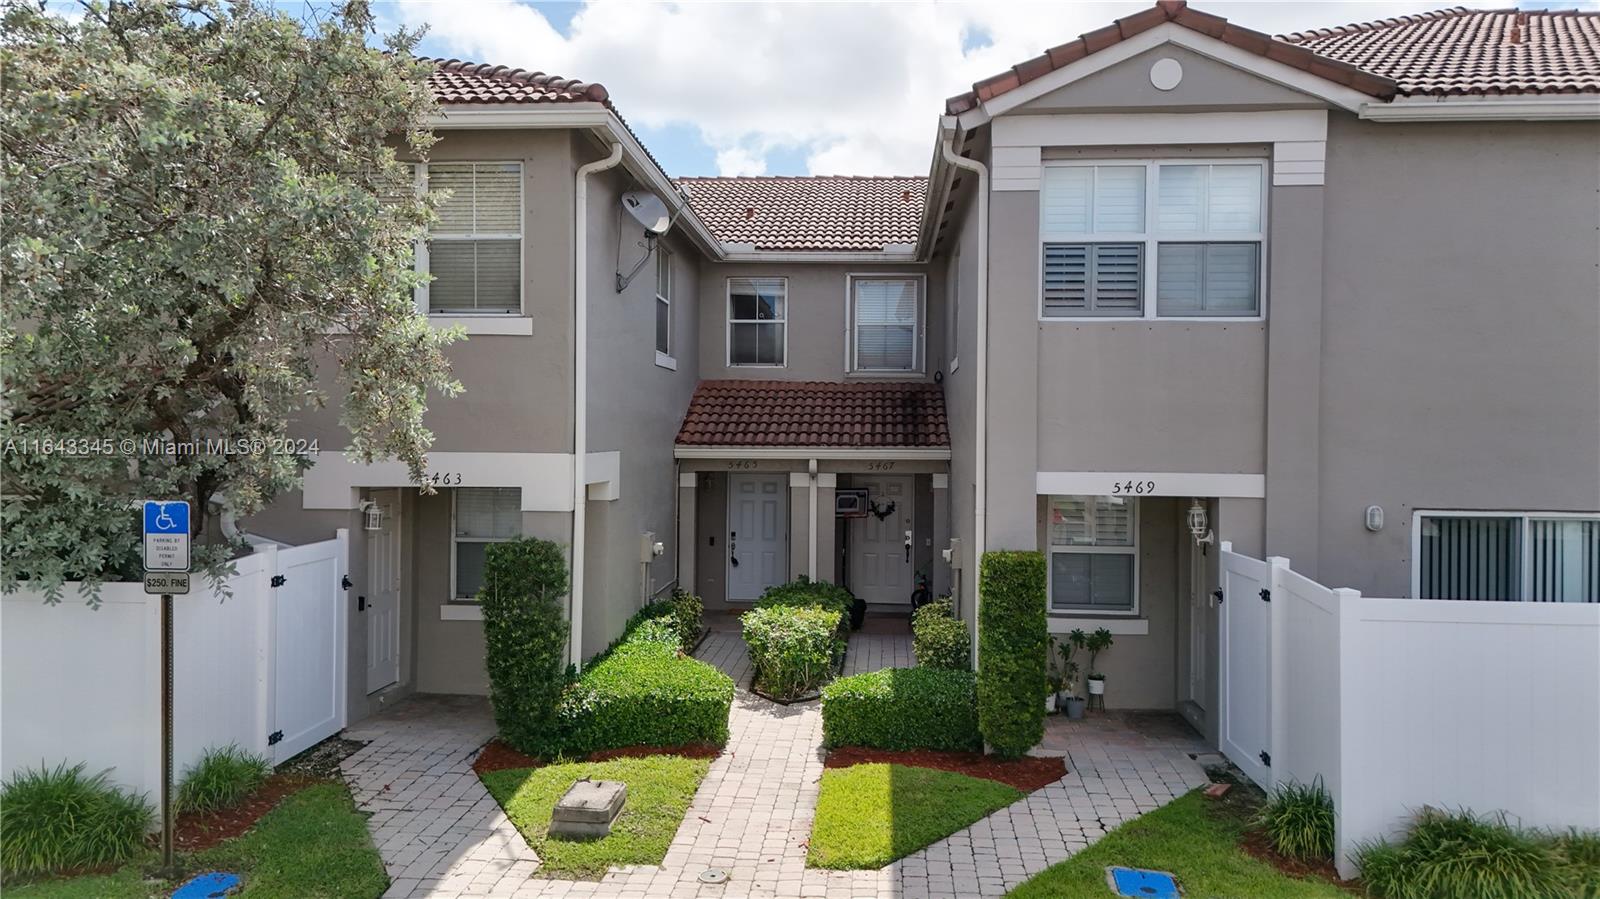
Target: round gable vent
1166	73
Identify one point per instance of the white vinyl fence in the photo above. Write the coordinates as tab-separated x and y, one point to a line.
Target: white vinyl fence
1397	704
263	668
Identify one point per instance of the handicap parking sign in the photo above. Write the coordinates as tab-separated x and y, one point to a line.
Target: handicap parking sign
166	535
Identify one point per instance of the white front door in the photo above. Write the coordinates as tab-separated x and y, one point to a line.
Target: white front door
758	534
881	543
383	594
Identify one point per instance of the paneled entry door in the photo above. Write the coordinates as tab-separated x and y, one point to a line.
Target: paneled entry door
758	534
383	594
881	547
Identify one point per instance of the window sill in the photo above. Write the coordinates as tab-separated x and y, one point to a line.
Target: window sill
756	365
461	611
666	362
1140	320
1066	622
876	375
489	323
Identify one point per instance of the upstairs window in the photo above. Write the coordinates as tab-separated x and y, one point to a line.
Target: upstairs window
757	310
1114	236
885	324
663	301
474	251
1094	554
480	516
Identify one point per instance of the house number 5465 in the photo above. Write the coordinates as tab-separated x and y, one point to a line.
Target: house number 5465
1137	488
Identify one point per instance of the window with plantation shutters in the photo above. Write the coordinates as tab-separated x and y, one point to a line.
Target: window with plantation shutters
474	250
480	516
1094	554
1528	557
1188	234
886	324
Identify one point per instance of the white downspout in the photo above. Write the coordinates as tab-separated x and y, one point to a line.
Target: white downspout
811	569
580	390
981	452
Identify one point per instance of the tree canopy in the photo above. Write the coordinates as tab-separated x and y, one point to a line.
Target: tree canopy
203	210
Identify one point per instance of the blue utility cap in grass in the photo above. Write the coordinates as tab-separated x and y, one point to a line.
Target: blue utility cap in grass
1141	883
210	886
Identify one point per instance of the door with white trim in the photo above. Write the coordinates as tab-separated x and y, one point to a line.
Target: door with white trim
383	594
758	534
881	544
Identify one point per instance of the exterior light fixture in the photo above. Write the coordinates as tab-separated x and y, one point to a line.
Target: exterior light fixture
1199	527
374	515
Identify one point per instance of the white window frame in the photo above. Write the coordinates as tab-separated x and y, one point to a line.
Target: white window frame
424	304
455	492
1525	582
1051	549
919	353
668	359
1150	238
729	321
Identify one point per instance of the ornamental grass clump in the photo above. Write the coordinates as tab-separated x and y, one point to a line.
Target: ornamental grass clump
1459	855
61	819
1298	820
221	778
792	648
939	639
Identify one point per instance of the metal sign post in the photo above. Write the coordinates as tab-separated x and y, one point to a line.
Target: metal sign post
166	566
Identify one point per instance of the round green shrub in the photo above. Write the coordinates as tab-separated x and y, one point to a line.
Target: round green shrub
903	708
939	639
1013	646
804	592
221	778
791	648
525	640
56	819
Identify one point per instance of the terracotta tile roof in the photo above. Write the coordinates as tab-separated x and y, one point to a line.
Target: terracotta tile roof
815	213
1171	11
1465	51
456	81
816	414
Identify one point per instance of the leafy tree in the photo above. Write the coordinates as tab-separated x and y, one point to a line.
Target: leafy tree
203	212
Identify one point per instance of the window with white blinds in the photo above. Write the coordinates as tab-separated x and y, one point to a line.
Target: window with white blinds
480	516
474	250
1525	557
663	301
757	312
1094	554
1188	234
886	324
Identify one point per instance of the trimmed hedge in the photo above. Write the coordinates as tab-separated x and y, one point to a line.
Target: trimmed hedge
525	639
688	613
644	692
939	639
791	648
1013	643
804	592
903	708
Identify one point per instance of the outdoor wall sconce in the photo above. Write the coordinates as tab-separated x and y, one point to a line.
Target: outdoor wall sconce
1198	525
374	515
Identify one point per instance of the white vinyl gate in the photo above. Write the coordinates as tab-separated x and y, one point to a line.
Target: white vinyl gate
1246	654
309	646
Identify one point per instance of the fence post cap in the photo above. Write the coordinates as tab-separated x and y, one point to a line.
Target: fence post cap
1227	546
1346	593
1278	561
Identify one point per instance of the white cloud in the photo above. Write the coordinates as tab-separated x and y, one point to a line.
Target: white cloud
856	88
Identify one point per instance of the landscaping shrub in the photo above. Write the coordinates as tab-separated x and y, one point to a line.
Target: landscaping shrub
1298	820
59	819
939	639
221	778
903	708
1012	650
791	648
804	592
525	639
645	693
1459	855
688	613
1581	853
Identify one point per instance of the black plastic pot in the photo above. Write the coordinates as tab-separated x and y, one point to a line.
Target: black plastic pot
858	614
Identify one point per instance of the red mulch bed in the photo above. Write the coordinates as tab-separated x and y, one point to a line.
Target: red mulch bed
1256	844
497	756
202	830
1026	774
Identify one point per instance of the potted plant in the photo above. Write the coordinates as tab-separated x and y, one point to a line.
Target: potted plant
1097	642
1052	686
1069	701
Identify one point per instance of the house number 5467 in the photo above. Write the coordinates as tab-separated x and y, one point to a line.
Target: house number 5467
1136	488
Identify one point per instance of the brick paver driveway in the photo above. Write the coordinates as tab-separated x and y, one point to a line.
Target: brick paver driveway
442	835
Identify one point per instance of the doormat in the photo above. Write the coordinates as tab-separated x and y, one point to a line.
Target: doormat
208	886
1141	883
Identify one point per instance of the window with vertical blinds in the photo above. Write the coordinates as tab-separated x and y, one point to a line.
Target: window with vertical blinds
886	326
475	247
1094	554
480	516
1513	557
1190	235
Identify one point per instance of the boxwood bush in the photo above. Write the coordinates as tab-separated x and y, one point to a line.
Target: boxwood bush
688	613
525	639
939	639
1013	642
791	647
645	692
903	708
804	592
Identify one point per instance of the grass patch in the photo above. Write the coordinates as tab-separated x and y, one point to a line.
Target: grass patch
221	778
869	815
1194	838
659	790
314	845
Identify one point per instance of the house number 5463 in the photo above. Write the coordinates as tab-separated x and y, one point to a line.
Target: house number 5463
1136	488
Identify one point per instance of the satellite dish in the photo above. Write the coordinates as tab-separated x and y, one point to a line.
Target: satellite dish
648	210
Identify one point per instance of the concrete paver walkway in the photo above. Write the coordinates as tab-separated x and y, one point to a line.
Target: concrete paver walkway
442	835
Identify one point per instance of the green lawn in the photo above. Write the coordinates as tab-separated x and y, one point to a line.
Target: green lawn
314	845
1194	838
869	815
659	790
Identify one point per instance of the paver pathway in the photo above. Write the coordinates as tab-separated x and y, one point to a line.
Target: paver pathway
442	835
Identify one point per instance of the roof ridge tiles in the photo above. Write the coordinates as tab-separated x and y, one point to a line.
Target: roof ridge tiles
554	83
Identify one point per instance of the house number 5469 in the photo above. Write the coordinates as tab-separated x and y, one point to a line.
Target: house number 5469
1136	488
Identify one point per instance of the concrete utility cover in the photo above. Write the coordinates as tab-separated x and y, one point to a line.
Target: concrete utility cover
714	875
588	809
1142	883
